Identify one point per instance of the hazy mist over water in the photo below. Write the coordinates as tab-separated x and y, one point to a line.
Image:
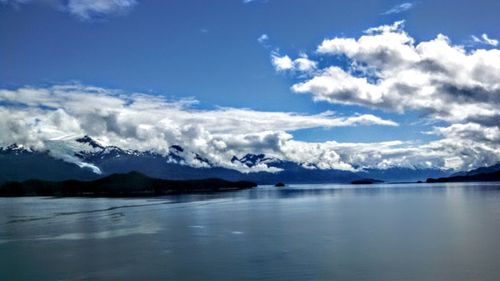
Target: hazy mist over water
300	232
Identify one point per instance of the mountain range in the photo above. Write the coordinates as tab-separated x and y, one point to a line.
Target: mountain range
481	170
91	160
473	177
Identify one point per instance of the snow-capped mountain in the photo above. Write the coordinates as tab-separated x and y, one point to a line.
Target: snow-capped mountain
252	160
100	153
15	149
86	158
21	163
481	170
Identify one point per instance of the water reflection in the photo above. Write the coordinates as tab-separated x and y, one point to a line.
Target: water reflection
299	232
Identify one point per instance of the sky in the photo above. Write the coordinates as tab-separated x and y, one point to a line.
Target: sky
330	84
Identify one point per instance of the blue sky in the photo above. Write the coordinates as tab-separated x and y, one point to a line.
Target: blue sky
208	50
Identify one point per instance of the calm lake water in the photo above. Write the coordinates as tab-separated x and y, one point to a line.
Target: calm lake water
301	232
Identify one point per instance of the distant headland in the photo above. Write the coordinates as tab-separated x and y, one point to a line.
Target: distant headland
492	176
119	185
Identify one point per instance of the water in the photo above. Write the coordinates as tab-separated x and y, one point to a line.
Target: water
303	232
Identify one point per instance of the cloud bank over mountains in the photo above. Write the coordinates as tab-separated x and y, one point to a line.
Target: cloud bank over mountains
43	117
387	69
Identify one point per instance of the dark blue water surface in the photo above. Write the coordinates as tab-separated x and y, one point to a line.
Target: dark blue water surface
301	232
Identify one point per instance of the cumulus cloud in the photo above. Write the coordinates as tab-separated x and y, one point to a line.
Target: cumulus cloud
51	118
403	7
387	69
282	63
285	63
447	153
42	117
390	71
86	10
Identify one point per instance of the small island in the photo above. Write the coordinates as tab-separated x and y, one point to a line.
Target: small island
279	184
119	185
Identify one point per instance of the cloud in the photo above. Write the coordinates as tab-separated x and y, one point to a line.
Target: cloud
51	118
403	7
44	118
485	40
86	10
389	71
91	9
385	68
285	63
251	1
263	39
448	153
282	63
14	2
397	26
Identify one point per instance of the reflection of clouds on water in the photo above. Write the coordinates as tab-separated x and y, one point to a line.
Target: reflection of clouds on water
115	216
107	234
237	232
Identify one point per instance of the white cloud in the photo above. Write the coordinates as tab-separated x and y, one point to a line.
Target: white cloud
46	118
86	10
484	40
389	71
397	26
251	1
42	117
403	7
386	69
263	39
285	63
282	63
89	9
304	64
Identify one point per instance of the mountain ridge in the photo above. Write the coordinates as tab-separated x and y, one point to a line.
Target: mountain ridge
172	165
482	177
119	185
